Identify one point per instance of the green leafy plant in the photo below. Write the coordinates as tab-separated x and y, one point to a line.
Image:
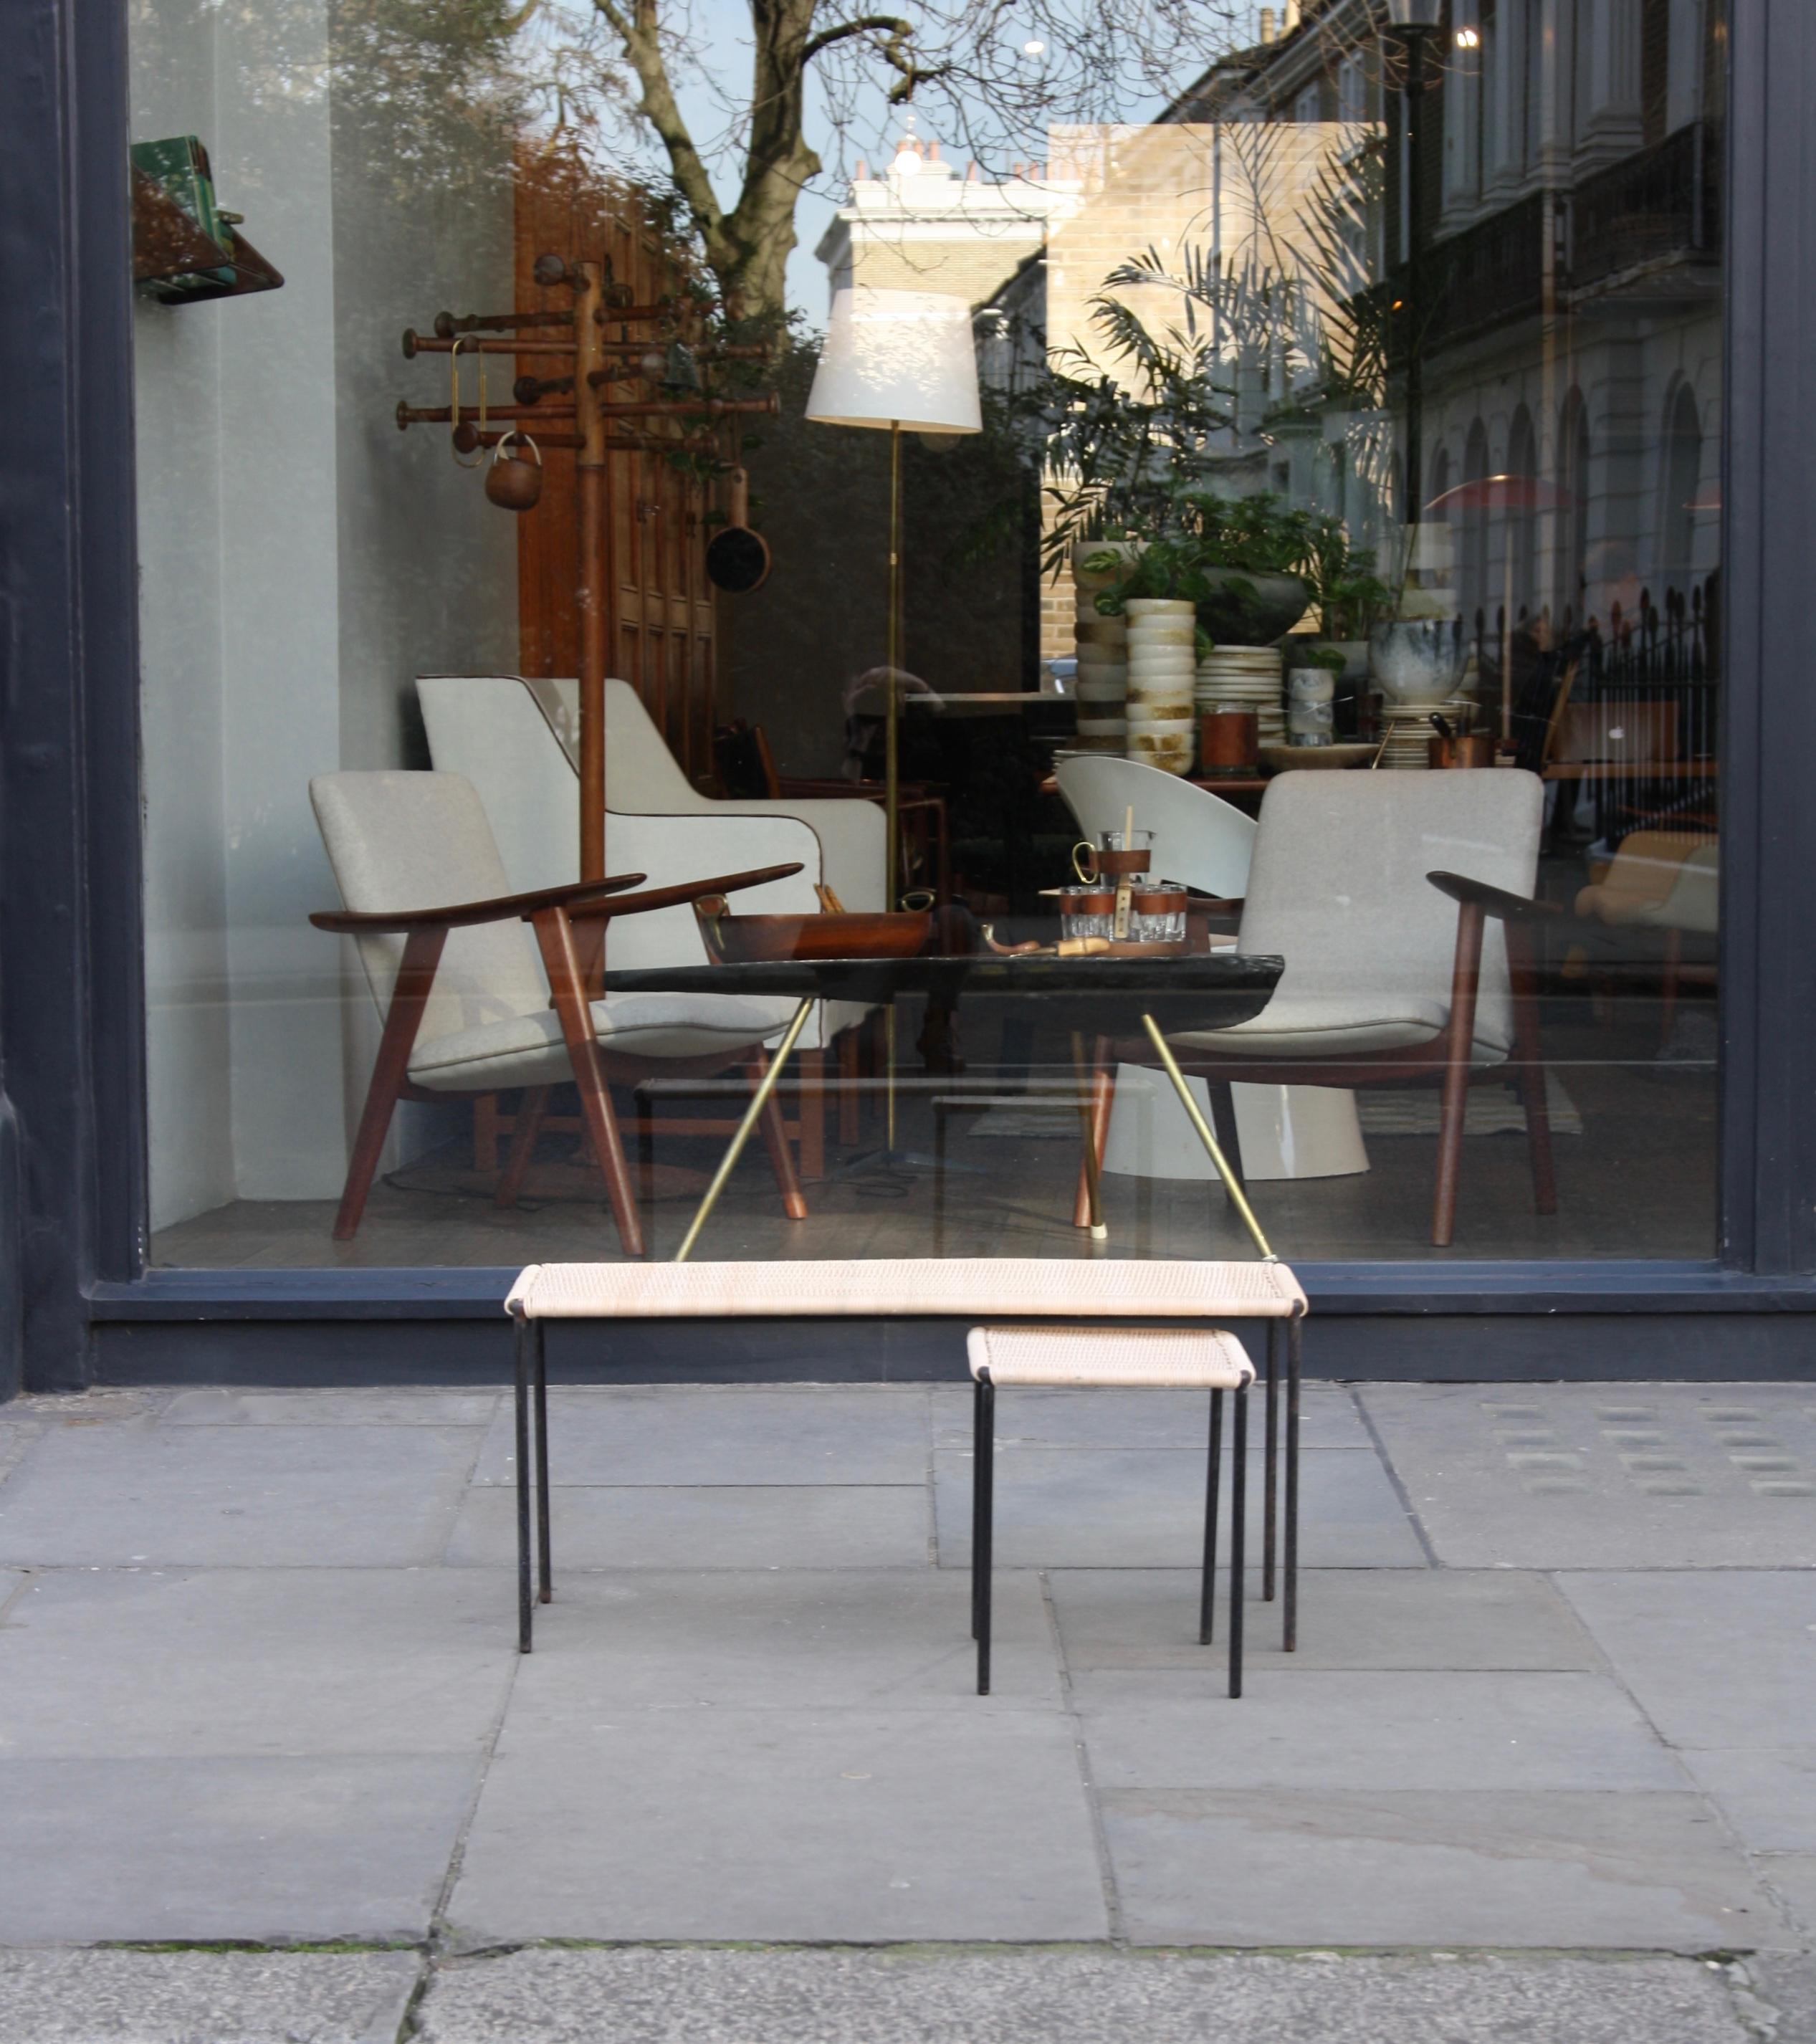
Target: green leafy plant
1351	598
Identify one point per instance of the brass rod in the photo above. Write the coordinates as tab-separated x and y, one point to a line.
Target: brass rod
759	1100
697	407
891	787
442	415
663	309
1238	1198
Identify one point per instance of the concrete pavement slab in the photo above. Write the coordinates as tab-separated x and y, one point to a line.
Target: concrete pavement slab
1726	1659
1768	1794
165	1663
237	1496
1274	1867
1792	1877
1349	1618
708	1526
1328	1417
1585	1475
276	1851
933	1997
221	1405
741	1434
1144	1508
1785	1982
1312	1728
886	1640
125	1997
835	1825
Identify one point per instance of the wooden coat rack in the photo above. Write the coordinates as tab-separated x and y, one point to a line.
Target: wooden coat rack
582	364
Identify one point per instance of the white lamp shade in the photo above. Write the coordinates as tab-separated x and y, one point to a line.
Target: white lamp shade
897	358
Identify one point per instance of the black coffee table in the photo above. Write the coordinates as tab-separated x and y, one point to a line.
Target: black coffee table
1102	996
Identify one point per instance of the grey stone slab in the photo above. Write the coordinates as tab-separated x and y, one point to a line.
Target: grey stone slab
741	1434
169	1663
803	1825
1348	1618
1144	1508
1792	1878
1311	1728
713	1525
1583	1476
123	1997
274	1851
1275	1867
220	1405
1328	1417
1062	1997
320	1497
1726	1659
1767	1795
884	1639
1785	1984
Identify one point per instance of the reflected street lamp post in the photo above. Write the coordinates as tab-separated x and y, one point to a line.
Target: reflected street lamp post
1415	22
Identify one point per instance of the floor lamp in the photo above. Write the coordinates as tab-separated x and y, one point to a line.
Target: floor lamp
905	361
902	361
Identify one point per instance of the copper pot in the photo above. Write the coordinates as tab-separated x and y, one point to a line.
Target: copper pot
1229	741
513	482
1474	748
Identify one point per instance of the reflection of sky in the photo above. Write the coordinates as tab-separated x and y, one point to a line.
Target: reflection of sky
710	94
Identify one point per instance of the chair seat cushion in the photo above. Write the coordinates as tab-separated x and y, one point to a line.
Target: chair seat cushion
1333	1025
1167	1358
527	1049
954	1286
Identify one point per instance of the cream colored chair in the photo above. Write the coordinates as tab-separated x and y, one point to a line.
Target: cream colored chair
475	1002
515	739
1286	1132
1662	879
1392	898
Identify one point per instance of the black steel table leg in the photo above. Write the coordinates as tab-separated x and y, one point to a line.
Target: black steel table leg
1270	1481
981	1533
1208	1584
1290	1629
522	1431
1238	1506
545	1583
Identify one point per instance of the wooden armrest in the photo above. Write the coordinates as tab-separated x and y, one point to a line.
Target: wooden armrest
462	915
682	890
797	790
1492	901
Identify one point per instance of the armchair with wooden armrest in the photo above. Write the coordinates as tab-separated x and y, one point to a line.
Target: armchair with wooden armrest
1382	986
488	991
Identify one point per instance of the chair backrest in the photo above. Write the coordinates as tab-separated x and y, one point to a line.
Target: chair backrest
1199	838
398	840
1694	901
1338	887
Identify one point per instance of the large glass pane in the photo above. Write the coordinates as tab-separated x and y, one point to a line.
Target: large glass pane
1303	450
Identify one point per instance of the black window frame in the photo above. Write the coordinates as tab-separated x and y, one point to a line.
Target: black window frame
76	1299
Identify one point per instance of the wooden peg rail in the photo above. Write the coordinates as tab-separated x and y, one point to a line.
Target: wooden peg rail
580	424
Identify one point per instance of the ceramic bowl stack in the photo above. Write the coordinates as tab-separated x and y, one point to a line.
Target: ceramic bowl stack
1245	678
1102	686
1162	718
1408	731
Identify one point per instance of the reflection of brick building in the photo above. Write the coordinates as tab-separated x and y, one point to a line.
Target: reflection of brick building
922	227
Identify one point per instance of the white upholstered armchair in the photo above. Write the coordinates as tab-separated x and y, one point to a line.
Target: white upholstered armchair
482	988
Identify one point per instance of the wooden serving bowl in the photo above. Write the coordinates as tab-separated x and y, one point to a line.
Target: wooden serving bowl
747	939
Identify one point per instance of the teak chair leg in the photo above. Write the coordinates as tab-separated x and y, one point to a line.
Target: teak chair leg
415	976
554	933
1103	1094
485	1132
775	1140
1465	978
850	1046
530	1110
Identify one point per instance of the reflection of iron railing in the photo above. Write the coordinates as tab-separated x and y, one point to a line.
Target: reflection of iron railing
1489	273
1661	204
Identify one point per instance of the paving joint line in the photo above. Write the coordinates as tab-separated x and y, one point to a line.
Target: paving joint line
1393	1477
1118	1938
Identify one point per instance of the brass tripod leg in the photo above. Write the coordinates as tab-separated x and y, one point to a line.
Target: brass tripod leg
1237	1196
1088	1114
759	1100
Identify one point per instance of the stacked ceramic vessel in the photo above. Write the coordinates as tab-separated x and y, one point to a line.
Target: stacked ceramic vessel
1244	677
1102	645
1162	726
1416	659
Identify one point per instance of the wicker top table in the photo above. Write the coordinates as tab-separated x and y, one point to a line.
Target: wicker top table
1102	996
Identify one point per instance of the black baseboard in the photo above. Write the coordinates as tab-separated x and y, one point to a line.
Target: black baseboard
1707	1347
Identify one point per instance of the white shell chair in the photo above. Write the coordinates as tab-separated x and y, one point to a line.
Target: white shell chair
475	1002
515	737
1286	1131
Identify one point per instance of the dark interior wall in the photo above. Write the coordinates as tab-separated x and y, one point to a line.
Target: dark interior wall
820	497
